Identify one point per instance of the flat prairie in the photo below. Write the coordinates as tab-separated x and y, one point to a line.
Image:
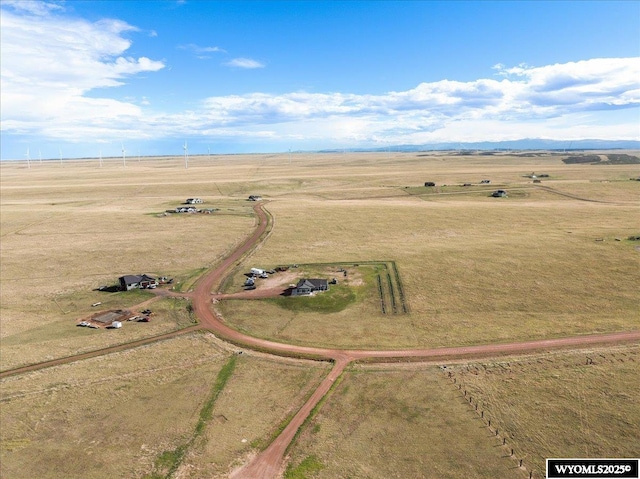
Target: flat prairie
552	259
121	414
413	420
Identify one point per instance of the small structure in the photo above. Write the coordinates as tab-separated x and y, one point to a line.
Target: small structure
193	201
308	286
130	281
499	194
256	271
485	182
184	209
429	183
255	198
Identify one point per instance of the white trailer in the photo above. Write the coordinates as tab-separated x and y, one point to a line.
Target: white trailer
257	271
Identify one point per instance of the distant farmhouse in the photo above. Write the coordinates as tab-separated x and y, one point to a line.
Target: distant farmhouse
308	286
499	194
185	209
130	281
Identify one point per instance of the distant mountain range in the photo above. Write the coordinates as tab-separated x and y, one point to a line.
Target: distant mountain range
524	144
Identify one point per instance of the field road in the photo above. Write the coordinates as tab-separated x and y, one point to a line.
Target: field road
268	463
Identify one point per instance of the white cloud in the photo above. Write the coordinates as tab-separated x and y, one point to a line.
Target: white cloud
50	62
247	63
52	65
537	93
32	6
201	52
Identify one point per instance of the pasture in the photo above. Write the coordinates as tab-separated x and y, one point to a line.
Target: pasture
126	414
411	420
550	260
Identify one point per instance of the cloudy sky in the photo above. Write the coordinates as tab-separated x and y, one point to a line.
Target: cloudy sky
84	78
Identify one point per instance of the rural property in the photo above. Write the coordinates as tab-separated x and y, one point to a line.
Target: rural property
366	315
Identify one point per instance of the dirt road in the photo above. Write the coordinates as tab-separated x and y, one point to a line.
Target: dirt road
268	463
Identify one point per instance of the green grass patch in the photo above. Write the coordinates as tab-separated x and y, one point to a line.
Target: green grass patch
309	466
186	282
167	463
207	410
338	297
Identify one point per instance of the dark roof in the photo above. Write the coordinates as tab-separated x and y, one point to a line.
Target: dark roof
312	283
132	278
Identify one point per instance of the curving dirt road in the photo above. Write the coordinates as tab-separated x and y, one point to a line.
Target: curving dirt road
268	463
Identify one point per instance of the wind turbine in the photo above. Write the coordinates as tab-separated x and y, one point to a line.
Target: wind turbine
28	158
186	155
100	158
124	155
40	155
60	156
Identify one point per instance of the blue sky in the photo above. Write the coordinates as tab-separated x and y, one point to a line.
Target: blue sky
88	77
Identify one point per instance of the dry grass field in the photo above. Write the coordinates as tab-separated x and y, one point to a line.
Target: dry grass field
67	230
120	415
109	416
550	260
261	396
476	269
579	404
382	423
412	420
62	338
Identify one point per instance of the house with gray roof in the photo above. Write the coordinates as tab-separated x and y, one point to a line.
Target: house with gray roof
308	286
132	281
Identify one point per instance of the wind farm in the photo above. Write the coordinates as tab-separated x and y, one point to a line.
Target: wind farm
534	240
318	240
